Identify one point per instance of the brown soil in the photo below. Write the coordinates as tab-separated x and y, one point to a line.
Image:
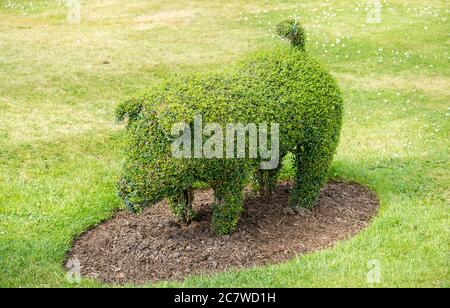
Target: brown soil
153	246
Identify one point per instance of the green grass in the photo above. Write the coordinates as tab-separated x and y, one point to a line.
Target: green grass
60	148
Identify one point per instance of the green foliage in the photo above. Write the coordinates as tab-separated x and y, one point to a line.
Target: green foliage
181	206
291	30
284	85
226	214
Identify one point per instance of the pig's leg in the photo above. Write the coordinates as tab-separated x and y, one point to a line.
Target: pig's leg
181	206
312	162
266	181
229	204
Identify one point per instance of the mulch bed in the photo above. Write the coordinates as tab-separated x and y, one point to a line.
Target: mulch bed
152	246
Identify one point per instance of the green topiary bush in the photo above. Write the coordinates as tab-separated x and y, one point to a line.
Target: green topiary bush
284	85
291	30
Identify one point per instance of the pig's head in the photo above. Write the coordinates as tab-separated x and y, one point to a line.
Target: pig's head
150	172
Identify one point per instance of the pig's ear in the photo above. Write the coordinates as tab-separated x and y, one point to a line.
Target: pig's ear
129	109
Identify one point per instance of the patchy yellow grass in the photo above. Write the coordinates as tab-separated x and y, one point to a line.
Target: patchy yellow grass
43	125
165	18
433	85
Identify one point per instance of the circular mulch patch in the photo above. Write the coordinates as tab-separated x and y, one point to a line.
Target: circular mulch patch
152	246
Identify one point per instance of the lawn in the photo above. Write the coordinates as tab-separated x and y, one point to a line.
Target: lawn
60	148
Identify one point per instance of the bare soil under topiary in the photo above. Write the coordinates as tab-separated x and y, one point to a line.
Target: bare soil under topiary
152	246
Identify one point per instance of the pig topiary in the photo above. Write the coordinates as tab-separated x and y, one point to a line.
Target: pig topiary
283	86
